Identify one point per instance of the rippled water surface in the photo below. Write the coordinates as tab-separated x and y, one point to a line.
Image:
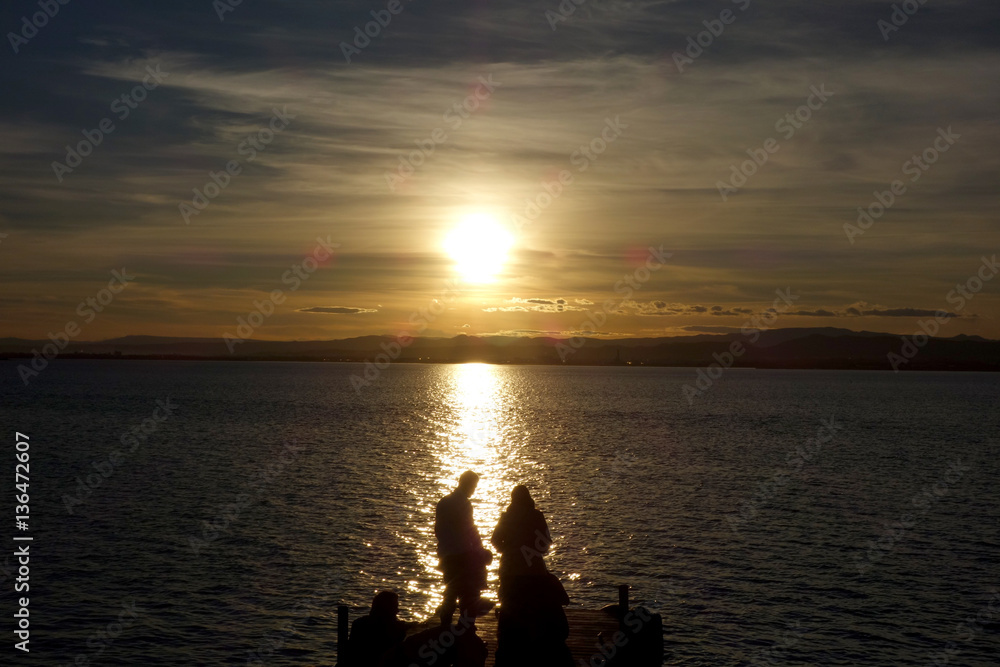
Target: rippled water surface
321	495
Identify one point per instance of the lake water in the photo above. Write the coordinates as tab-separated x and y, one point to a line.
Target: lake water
322	495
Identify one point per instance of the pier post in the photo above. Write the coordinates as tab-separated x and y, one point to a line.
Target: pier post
622	602
343	660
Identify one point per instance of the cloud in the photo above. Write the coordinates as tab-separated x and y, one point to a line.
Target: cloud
337	310
858	309
902	312
663	308
522	333
814	313
534	304
558	333
710	330
862	309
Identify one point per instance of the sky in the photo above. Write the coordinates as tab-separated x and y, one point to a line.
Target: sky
574	136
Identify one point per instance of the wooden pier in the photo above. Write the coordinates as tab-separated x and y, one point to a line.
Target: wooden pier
585	627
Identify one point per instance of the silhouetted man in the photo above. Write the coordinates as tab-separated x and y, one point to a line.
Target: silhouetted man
460	549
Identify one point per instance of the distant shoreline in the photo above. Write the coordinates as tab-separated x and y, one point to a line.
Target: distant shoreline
788	349
984	368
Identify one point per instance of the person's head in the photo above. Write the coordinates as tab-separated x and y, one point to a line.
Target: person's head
467	483
385	604
520	498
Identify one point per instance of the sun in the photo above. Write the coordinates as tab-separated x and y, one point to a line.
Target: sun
479	246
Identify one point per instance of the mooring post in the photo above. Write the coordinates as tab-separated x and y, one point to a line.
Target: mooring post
342	630
622	603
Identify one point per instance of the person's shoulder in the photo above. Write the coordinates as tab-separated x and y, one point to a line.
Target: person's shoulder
360	626
454	499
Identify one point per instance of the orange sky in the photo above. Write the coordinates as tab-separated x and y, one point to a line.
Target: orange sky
592	123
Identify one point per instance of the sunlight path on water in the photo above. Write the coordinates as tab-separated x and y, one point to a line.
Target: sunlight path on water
474	428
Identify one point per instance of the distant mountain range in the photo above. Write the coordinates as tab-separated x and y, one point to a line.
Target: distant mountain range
779	348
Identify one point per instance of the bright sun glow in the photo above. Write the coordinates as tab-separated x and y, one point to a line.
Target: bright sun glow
479	247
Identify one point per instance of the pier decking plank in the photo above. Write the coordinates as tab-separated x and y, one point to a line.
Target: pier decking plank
584	627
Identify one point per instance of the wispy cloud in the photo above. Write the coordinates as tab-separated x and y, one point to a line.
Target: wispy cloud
337	310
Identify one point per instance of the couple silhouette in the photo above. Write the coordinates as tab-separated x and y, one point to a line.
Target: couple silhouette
531	624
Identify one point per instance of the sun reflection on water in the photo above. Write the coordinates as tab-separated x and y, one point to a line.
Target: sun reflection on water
475	431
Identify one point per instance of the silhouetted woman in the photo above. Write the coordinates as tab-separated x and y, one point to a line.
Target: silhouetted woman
522	537
532	625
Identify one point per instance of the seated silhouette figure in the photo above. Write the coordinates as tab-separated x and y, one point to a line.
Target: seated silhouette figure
377	639
463	559
532	627
455	645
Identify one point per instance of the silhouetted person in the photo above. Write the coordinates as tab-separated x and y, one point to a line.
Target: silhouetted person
463	559
377	639
522	537
532	625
